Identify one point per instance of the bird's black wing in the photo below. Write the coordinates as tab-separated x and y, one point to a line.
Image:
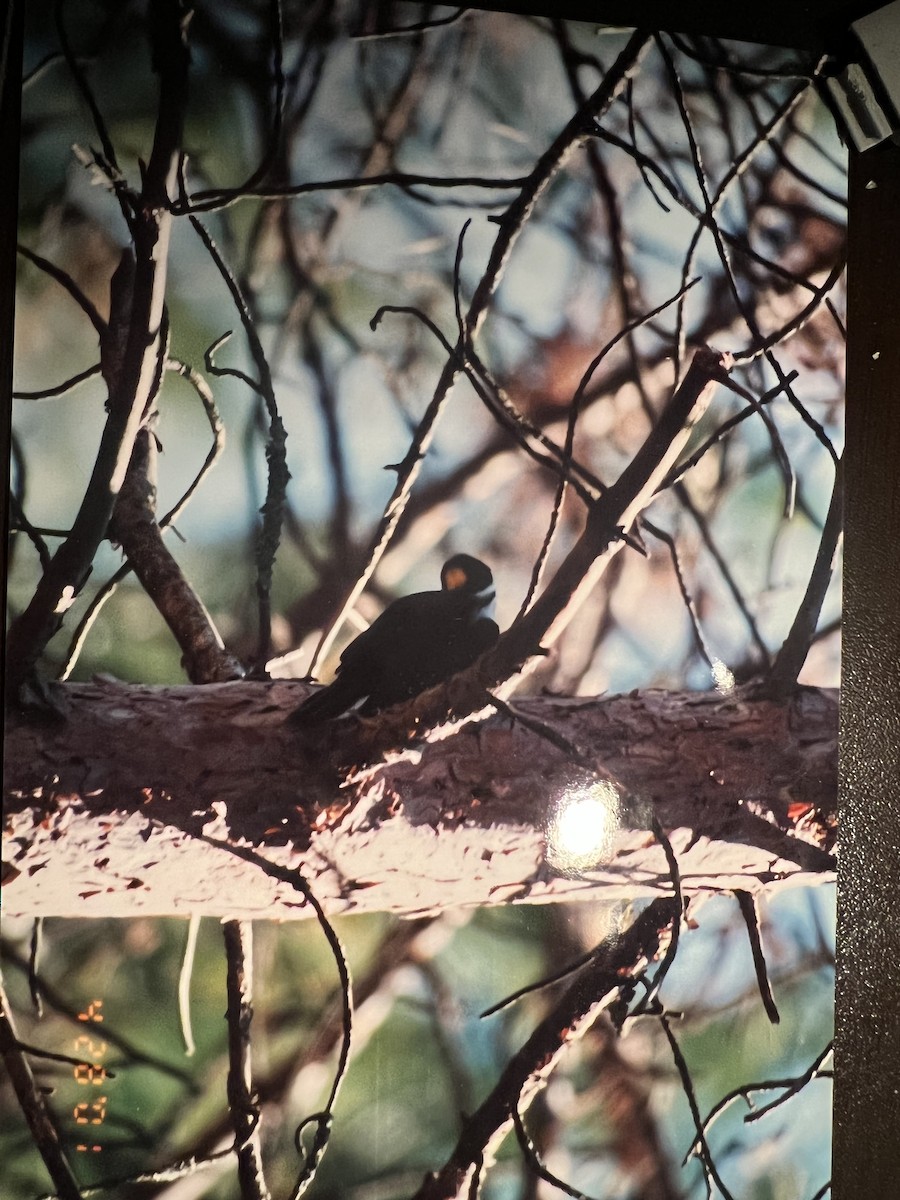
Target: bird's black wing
417	642
430	642
374	662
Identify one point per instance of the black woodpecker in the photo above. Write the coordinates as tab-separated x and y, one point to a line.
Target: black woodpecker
417	642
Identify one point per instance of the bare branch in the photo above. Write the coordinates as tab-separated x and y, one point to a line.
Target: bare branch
65	280
132	348
770	816
43	1130
710	1170
599	985
134	527
216	199
750	912
792	655
243	1103
511	225
276	457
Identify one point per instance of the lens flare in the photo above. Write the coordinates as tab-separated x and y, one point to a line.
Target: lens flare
581	831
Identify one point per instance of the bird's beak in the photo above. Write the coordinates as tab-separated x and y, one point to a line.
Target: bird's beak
455	578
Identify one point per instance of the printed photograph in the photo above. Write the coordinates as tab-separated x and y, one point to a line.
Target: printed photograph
423	608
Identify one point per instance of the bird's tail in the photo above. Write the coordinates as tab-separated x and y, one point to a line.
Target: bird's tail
323	704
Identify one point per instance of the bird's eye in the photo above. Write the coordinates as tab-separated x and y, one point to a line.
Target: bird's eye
455	578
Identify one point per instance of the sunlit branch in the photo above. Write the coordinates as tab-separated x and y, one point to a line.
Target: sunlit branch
108	589
184	984
135	528
678	472
132	349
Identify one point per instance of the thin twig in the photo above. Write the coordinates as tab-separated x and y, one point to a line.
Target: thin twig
31	1102
511	224
132	351
795	648
269	536
650	997
710	1170
750	912
218	198
682	468
65	280
18	522
60	389
575	408
687	599
594	989
320	1121
789	1087
535	1162
417	27
243	1103
184	984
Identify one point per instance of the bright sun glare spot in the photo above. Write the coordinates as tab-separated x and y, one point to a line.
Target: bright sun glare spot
581	832
722	677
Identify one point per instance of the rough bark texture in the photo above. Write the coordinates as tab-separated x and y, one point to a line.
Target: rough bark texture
103	808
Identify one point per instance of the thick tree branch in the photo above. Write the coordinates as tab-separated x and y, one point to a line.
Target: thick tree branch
101	808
